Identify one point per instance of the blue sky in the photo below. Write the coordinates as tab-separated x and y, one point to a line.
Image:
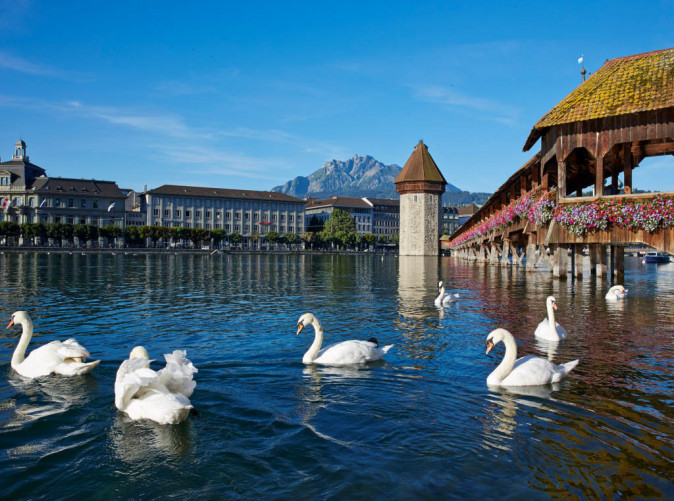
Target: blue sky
251	94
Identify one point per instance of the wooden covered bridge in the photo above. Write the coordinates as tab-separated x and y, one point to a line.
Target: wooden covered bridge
570	195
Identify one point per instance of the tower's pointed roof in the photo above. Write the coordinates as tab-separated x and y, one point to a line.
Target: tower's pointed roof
420	167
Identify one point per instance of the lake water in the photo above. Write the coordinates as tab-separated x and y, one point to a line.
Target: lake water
420	425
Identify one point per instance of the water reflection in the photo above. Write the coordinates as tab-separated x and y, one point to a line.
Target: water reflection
145	441
46	396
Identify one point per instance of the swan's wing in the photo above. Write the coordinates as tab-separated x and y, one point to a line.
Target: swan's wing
350	352
160	406
530	370
72	349
178	374
561	331
132	376
41	361
542	329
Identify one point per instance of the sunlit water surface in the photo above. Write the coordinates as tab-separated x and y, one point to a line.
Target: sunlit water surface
420	425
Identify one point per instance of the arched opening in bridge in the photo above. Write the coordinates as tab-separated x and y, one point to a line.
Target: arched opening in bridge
654	174
580	171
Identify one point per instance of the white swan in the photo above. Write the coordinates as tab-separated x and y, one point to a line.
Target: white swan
162	396
549	328
442	299
344	353
616	292
63	358
525	371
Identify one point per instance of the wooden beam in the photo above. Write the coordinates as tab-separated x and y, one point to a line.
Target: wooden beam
561	179
599	177
627	169
654	149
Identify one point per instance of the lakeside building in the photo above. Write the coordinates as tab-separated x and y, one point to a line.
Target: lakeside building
252	214
357	207
28	195
466	211
385	216
377	216
449	219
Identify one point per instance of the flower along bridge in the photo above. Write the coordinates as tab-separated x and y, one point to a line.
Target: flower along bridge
569	196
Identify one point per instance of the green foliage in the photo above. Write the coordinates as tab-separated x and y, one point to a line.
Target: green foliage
131	234
338	229
236	238
218	235
10	229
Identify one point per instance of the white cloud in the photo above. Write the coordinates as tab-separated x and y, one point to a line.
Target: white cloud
489	109
23	66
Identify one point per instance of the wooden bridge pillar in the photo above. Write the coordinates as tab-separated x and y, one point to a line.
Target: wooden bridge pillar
618	260
559	261
532	257
577	263
598	259
504	253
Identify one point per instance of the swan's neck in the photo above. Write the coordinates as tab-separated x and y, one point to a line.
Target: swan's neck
20	351
315	347
552	323
441	295
506	365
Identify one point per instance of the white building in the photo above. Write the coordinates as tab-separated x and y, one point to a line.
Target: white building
250	213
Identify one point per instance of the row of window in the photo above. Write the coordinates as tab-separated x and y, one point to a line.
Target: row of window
227	204
228	215
261	229
70	203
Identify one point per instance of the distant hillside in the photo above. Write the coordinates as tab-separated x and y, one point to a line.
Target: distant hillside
362	177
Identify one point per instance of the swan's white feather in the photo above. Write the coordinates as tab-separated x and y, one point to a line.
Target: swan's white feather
532	370
525	371
178	375
57	357
351	352
543	331
161	396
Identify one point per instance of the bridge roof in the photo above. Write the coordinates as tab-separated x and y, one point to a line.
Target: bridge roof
631	84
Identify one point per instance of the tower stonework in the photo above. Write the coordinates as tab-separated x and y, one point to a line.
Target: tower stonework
420	185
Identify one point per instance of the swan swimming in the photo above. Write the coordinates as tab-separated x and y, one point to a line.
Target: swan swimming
161	396
549	328
444	299
344	353
63	358
616	292
525	371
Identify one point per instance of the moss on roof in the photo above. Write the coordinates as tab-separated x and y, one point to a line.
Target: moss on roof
631	84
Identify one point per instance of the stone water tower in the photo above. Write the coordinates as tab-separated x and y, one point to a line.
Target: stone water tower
420	185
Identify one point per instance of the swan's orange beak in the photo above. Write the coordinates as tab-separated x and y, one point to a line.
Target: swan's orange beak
554	305
299	328
11	323
490	345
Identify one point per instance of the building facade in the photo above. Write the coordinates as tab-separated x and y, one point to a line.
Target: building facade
449	220
28	195
385	216
420	185
253	214
357	207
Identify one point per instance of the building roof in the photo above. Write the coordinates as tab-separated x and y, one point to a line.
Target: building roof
77	187
631	84
420	167
196	191
389	202
339	202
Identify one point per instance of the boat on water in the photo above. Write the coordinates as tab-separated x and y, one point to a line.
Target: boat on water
656	257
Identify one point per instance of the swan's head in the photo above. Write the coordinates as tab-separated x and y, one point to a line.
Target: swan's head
18	318
306	319
495	337
440	285
139	352
618	290
551	302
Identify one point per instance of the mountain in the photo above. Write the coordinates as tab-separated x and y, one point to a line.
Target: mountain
362	177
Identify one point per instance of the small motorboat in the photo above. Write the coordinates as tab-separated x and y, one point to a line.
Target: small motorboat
656	257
